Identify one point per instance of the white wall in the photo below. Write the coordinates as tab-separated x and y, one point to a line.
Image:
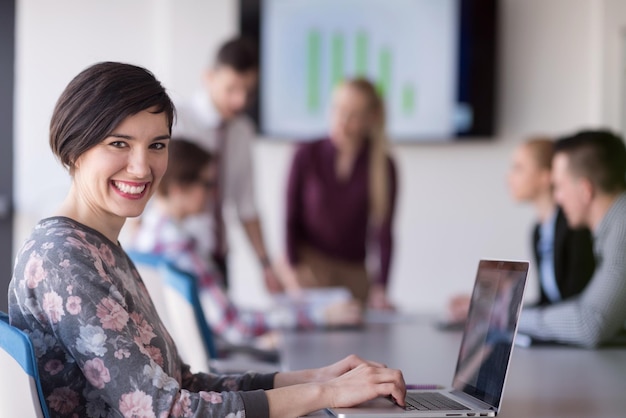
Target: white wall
614	58
453	206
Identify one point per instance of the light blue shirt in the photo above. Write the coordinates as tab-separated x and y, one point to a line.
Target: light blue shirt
545	247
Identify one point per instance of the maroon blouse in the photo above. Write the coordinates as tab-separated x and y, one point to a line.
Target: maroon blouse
332	215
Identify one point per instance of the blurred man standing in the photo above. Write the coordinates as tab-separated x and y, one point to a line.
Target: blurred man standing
215	119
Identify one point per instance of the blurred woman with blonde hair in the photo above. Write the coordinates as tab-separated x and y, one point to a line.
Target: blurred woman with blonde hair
340	200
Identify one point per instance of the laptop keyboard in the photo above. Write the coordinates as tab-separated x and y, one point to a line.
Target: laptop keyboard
431	401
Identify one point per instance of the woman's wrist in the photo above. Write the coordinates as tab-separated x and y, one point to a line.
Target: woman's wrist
283	379
298	400
265	262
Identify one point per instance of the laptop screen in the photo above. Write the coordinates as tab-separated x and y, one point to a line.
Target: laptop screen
490	330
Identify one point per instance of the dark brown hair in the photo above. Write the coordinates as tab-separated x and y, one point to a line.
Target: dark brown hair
240	54
186	161
599	156
97	100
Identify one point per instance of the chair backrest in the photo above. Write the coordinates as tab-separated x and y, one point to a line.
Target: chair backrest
20	389
190	330
148	267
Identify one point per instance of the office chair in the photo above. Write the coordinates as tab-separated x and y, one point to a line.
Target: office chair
20	389
189	328
148	267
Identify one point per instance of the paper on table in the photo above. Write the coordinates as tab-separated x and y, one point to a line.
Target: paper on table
318	297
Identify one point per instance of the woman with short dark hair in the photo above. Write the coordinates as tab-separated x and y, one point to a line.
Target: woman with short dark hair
101	348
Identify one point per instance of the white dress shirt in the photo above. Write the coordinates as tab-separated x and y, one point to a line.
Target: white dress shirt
198	120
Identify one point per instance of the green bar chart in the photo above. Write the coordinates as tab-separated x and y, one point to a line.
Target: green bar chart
361	54
313	73
327	58
384	72
408	99
406	51
337	60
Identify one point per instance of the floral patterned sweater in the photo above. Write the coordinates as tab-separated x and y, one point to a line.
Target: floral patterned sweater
101	348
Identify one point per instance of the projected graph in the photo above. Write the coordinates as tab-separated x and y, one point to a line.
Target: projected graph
310	46
338	69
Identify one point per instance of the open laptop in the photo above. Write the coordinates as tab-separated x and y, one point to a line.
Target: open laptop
484	354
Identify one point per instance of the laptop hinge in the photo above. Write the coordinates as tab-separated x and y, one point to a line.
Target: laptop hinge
469	398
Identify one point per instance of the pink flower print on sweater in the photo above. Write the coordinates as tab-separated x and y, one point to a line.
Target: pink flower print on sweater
96	373
53	367
34	272
112	315
146	333
63	400
73	305
182	407
53	306
136	404
211	397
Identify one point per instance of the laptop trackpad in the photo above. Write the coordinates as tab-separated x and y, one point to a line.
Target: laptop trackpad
375	407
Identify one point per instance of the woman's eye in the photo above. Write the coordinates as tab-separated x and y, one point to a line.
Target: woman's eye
118	144
158	146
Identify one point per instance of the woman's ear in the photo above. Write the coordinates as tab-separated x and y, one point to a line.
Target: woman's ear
73	165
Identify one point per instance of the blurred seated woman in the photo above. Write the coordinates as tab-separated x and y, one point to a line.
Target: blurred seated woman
340	200
186	189
563	256
101	349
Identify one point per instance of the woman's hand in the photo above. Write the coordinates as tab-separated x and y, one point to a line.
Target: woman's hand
346	383
323	374
341	367
363	383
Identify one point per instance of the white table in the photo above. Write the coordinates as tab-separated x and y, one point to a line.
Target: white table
550	382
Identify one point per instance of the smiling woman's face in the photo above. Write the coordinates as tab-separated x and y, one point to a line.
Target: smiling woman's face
117	177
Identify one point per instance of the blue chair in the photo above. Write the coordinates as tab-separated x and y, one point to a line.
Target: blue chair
190	328
148	267
176	296
147	259
20	389
195	340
